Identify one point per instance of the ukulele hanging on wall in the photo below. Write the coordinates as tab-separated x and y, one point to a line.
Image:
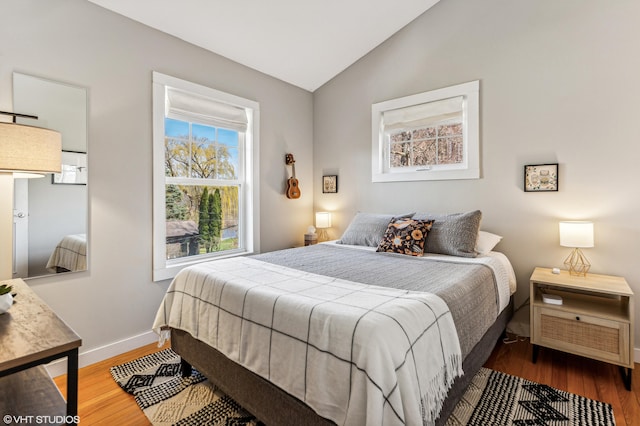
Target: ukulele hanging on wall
293	190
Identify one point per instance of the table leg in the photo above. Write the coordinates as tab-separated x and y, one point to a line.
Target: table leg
627	374
72	384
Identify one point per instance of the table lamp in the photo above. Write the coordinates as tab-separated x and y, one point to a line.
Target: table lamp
323	221
576	234
25	151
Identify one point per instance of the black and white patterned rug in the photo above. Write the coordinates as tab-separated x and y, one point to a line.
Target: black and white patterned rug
166	398
493	398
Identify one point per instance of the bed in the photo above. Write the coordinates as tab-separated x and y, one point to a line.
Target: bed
343	333
70	254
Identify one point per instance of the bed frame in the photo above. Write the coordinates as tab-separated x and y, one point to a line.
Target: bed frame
273	406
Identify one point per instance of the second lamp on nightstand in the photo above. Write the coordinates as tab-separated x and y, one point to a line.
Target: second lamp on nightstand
577	235
323	221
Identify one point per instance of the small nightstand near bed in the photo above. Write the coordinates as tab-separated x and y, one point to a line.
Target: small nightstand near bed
31	335
594	319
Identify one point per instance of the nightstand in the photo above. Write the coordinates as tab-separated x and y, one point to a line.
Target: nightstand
595	319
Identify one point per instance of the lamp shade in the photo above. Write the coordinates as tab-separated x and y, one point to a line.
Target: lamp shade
323	220
29	149
576	234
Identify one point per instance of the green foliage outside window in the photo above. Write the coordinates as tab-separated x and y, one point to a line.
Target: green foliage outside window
213	208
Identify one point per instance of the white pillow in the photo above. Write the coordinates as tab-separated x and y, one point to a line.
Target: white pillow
486	242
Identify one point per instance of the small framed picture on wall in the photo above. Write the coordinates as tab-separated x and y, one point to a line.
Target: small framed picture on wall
541	177
330	184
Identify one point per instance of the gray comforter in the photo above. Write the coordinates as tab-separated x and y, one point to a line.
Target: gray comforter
468	289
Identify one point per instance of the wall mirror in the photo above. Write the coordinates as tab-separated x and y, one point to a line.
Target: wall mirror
51	213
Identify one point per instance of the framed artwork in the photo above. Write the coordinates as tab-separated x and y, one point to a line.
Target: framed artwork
330	184
74	169
541	177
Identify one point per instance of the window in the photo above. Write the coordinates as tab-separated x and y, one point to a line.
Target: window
428	136
205	171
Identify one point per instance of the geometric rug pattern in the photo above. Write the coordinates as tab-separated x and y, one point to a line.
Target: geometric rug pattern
166	398
493	398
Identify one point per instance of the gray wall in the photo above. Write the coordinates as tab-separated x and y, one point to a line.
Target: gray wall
559	83
77	42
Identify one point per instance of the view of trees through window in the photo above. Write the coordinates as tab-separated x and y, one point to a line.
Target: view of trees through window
201	169
440	143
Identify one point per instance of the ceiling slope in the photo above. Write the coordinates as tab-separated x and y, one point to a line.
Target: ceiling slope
305	43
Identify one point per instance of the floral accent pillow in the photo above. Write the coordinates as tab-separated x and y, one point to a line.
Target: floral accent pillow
405	236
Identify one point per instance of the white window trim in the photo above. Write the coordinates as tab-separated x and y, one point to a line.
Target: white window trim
250	213
471	133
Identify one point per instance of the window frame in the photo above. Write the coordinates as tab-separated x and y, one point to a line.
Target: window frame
249	208
380	147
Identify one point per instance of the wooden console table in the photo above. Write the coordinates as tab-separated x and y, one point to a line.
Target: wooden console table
31	335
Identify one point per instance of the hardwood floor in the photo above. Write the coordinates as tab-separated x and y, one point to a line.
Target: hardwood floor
103	402
100	400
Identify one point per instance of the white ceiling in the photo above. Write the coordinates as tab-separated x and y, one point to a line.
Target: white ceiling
303	42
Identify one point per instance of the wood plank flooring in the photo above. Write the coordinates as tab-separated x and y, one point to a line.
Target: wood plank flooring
100	400
103	402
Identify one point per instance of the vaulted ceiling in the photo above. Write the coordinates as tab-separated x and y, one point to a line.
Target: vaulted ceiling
303	42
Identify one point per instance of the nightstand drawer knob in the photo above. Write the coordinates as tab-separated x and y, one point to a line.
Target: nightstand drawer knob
577	318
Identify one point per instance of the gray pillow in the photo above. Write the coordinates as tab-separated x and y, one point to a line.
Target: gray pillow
367	229
453	234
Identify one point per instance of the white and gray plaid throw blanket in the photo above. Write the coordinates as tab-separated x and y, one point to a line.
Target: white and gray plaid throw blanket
357	354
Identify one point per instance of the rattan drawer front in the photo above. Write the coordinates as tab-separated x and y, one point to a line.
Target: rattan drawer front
581	334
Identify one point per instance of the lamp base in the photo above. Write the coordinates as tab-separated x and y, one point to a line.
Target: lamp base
323	235
577	263
6	226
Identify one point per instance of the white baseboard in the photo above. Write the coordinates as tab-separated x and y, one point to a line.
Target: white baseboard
636	356
59	367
